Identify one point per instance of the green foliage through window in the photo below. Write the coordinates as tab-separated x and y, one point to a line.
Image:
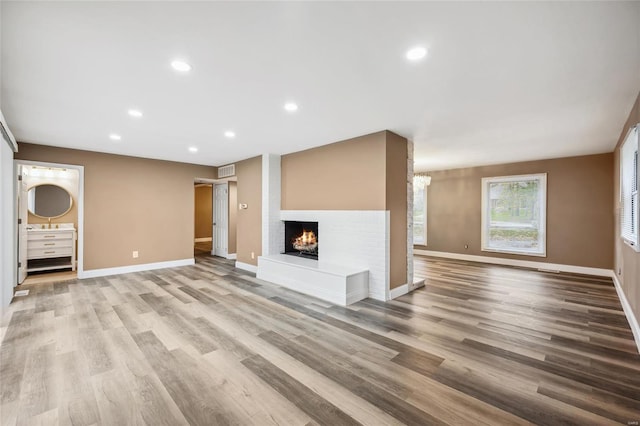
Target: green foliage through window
515	214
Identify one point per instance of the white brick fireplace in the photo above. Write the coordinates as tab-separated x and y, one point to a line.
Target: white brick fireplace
350	244
354	239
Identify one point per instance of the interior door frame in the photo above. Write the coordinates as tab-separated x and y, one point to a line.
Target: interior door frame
214	198
213	183
80	201
22	207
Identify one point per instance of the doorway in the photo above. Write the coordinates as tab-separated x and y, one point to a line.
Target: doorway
50	229
215	217
203	220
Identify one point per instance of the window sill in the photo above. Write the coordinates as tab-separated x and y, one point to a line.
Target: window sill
635	247
519	253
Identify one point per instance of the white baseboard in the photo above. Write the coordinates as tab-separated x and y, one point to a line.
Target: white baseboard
404	289
600	272
232	256
626	307
246	267
93	273
399	291
203	240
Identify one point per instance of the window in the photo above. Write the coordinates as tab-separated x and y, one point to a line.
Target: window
514	214
420	216
629	189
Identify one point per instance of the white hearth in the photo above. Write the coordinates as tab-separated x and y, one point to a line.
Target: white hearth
337	284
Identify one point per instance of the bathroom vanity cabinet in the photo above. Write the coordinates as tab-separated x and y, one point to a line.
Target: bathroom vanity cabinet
49	249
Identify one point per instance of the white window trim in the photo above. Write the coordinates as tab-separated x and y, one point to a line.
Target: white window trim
543	213
424	236
631	135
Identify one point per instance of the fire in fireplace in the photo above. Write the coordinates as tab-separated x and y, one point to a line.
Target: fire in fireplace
301	238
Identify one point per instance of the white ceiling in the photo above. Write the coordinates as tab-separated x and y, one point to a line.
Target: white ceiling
502	82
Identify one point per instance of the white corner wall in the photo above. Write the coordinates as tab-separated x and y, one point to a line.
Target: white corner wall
410	283
272	227
7	229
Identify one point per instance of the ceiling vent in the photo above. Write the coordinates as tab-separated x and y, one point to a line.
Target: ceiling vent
226	171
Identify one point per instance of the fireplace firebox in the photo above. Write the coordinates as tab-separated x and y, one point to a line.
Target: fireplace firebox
301	238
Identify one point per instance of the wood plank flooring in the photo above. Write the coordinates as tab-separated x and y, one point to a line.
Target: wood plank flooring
212	345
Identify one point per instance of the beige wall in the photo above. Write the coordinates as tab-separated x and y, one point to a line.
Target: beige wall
249	221
203	211
130	204
364	173
579	219
627	261
347	175
233	214
396	203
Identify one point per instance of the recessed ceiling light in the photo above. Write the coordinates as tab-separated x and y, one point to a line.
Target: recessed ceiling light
193	149
115	137
416	53
180	66
230	134
135	113
291	106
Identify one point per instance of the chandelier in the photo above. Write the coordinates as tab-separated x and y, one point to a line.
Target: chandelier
421	181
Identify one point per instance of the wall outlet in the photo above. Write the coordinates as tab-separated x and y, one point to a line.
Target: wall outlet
135	254
466	246
253	255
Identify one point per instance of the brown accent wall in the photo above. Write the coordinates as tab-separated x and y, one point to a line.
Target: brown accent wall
203	211
627	261
396	203
130	204
579	219
249	221
364	173
233	214
347	175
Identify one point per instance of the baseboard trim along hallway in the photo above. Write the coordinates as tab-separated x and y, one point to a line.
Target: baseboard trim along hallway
93	273
246	267
544	266
628	312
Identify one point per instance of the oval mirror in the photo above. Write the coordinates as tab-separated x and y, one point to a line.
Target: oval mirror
49	201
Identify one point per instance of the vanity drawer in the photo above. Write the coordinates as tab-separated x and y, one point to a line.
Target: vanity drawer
52	243
42	253
38	235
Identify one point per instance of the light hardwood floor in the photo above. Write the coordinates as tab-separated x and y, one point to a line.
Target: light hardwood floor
202	248
212	345
50	277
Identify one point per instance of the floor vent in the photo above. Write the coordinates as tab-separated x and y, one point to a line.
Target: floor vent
226	171
21	293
